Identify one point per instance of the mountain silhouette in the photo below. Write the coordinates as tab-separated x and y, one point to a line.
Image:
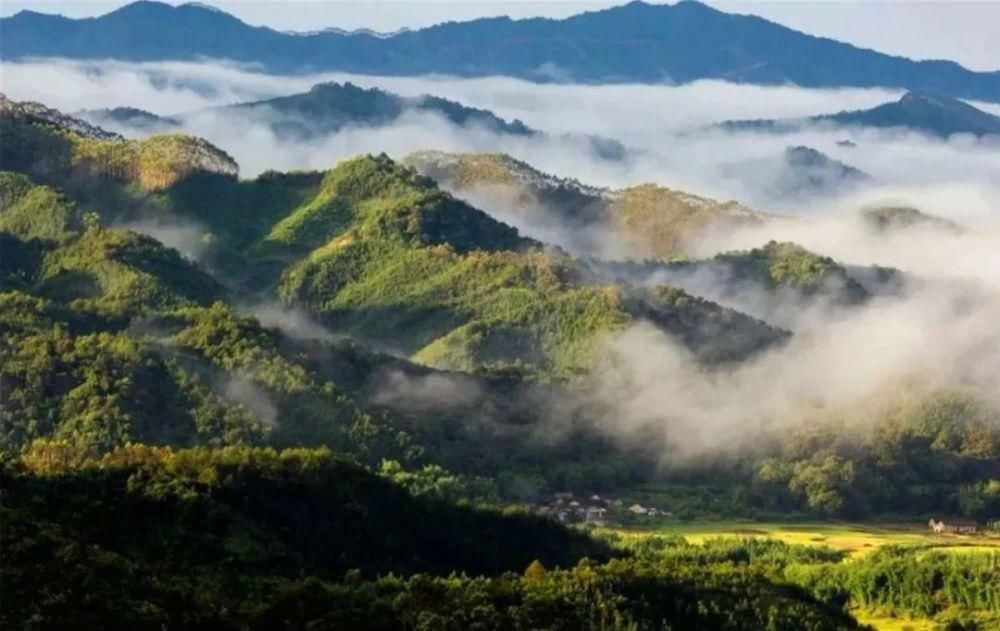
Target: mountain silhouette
635	42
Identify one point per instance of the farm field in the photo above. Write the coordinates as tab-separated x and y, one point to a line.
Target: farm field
882	623
854	538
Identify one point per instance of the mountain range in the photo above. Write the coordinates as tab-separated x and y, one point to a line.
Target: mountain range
635	42
931	114
330	107
325	109
335	242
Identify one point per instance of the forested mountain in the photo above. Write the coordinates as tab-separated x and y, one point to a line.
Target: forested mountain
641	221
470	292
635	42
932	114
106	328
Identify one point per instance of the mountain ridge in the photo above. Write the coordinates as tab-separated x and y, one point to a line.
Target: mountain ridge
645	220
933	114
673	43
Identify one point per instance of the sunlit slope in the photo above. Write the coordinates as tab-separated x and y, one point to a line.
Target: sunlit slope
646	221
376	251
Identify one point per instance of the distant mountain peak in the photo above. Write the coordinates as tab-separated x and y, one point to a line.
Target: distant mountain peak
204	6
695	5
928	99
937	101
141	7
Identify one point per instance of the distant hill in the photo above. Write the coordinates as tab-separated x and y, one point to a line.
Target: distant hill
328	107
639	221
776	282
896	218
932	114
635	42
799	172
129	118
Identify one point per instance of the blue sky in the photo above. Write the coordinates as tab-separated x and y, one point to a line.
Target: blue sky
964	31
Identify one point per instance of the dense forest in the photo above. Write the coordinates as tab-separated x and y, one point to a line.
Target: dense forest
311	399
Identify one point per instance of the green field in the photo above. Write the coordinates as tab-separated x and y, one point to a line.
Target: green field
881	623
855	538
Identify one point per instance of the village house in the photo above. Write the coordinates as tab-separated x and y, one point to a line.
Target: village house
594	514
592	510
565	508
953	526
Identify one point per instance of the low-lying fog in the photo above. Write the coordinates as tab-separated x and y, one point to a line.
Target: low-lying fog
660	124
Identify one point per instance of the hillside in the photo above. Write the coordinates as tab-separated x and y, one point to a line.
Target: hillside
45	143
36	113
127	536
108	337
403	265
932	114
635	42
638	222
169	414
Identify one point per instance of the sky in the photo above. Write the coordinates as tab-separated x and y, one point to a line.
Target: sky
960	30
